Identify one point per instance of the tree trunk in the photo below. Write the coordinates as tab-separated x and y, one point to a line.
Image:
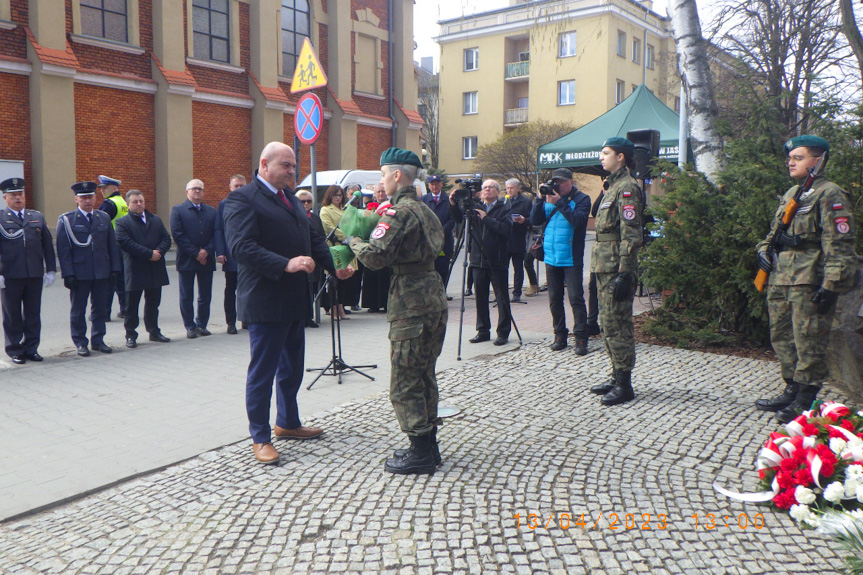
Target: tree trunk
852	32
694	67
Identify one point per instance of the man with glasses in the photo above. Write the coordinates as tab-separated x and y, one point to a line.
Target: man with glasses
813	263
229	266
193	225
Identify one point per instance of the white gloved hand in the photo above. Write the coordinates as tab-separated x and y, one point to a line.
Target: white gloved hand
49	279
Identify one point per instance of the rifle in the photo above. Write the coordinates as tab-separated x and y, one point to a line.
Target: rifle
785	223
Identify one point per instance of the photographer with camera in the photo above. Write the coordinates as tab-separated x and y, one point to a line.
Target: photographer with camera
565	210
491	226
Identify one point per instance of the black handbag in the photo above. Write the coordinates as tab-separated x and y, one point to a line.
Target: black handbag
536	248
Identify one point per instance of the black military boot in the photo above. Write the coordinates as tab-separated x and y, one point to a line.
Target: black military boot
418	460
622	391
803	401
780	401
605	386
401	453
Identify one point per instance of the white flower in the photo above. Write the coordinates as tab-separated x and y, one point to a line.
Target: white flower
854	472
805	495
837	445
859	493
851	484
857	514
834	492
814	520
799	512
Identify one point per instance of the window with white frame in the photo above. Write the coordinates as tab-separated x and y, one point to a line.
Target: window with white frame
648	56
566	45
636	50
471	59
105	19
621	43
468	148
470	102
619	91
566	93
295	28
211	28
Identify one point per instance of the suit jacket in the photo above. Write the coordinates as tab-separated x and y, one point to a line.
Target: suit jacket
194	230
96	261
137	241
442	211
230	264
263	234
489	237
31	253
518	238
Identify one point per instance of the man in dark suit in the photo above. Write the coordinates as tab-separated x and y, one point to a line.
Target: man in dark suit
193	225
90	261
144	241
268	233
229	265
316	278
519	207
439	204
489	258
26	252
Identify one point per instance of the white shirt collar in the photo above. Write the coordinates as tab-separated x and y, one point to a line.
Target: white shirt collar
83	212
268	184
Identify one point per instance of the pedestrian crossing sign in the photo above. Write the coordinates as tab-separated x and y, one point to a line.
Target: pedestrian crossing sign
308	73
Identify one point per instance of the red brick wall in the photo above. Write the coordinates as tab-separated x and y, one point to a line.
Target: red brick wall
221	147
15	123
107	60
213	79
371	142
115	136
14	42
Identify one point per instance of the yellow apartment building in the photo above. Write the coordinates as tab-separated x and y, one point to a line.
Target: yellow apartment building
556	60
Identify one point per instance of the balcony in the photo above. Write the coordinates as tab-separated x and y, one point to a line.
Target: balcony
514	117
517	71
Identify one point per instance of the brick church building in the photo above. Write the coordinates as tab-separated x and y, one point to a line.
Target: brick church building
157	92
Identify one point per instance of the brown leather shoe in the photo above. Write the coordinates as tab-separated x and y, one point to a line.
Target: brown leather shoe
266	453
301	432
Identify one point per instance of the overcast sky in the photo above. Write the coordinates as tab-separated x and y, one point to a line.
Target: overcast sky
428	12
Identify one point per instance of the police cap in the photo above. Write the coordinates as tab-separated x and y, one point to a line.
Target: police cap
84	188
106	181
400	157
12	185
808	141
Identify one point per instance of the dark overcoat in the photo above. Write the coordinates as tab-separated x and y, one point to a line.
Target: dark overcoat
137	241
194	230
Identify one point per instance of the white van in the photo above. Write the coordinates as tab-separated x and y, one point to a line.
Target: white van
366	178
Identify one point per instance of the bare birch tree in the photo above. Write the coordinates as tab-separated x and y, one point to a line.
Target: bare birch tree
852	32
429	108
694	67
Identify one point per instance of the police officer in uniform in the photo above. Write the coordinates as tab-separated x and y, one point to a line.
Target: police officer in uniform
409	238
89	261
115	206
813	264
26	252
614	260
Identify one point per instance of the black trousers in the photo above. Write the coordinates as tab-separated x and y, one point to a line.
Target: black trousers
592	301
482	277
99	294
120	289
152	299
530	268
517	272
572	276
231	297
22	308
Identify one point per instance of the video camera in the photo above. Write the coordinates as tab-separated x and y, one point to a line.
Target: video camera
465	196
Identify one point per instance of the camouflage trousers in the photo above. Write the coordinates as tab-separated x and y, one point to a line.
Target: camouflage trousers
799	334
415	344
615	319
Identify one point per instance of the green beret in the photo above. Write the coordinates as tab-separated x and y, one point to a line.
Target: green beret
400	157
620	145
808	141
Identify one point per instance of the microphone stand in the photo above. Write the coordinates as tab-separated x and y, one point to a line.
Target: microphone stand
337	365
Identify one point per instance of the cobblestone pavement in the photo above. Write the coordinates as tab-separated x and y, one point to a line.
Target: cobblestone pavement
530	439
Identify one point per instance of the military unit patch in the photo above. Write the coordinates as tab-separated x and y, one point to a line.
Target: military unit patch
380	230
629	213
842	225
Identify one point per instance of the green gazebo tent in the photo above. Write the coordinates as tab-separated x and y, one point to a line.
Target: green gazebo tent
579	150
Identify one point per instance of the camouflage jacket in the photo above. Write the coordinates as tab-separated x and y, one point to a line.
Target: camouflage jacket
618	226
408	238
823	229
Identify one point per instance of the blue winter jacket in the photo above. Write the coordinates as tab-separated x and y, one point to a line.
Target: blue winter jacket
565	232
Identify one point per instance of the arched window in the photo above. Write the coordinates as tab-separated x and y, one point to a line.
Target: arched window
295	27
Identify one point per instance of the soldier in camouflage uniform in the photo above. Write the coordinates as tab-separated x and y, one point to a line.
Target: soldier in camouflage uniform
614	260
814	262
408	238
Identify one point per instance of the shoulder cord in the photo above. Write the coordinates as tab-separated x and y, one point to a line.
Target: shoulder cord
11	235
71	235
